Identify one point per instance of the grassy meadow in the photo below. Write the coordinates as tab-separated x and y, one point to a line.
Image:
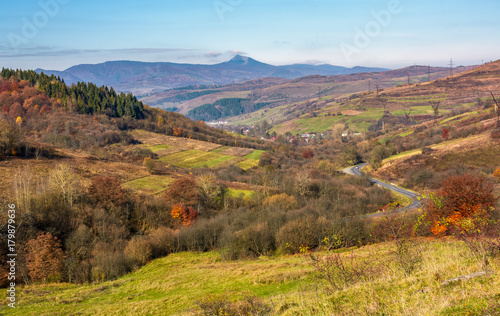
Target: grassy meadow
289	285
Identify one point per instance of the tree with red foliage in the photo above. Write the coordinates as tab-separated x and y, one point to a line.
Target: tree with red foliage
460	197
446	134
44	258
185	214
307	154
107	190
183	191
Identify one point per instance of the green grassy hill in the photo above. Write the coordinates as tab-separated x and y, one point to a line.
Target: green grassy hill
289	285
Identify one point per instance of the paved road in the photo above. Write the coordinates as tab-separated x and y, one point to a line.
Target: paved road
356	171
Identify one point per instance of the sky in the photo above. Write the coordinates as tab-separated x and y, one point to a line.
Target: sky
57	34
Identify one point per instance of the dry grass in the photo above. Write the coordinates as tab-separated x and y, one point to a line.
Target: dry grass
178	143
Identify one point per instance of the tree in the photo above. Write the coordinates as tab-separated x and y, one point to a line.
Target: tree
183	191
460	197
350	155
44	258
65	183
435	107
497	173
307	153
107	190
186	215
446	134
497	112
211	194
149	164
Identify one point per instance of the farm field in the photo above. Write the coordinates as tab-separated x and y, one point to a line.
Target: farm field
195	158
149	185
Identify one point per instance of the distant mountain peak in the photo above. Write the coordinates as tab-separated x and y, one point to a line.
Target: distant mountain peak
240	59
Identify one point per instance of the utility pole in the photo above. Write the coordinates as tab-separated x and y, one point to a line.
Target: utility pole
369	84
377	88
429	73
451	67
408	79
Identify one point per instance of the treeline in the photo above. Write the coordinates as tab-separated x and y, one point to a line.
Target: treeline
85	98
225	108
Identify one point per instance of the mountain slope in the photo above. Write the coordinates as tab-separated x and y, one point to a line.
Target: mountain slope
144	77
273	92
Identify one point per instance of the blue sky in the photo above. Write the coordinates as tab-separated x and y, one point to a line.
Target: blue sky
56	34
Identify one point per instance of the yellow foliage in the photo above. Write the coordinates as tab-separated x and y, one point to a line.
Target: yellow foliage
497	173
19	120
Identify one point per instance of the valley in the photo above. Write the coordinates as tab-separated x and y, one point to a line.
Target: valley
144	203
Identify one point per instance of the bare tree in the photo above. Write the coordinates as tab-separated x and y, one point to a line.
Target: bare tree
435	107
407	116
496	110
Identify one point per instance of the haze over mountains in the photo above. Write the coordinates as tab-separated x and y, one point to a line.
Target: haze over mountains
146	77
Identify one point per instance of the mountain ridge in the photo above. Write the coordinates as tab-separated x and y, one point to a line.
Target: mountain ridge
141	78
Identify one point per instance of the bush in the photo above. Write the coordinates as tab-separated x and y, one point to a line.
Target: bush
460	197
281	201
139	251
301	234
244	304
254	241
108	263
341	271
162	241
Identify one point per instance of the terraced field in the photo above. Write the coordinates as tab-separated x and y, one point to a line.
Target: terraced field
189	153
149	185
251	160
195	158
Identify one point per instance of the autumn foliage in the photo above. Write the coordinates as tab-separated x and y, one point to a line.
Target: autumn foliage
185	214
497	173
307	153
107	190
460	197
183	191
44	258
446	134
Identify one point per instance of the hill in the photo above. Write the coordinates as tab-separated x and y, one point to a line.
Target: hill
143	77
284	285
138	207
273	92
327	112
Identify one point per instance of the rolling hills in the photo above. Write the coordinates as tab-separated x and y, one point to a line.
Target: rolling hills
275	92
466	89
146	77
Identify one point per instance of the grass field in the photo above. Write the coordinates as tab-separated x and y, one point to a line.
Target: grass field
149	185
255	155
251	160
157	148
172	285
246	194
194	158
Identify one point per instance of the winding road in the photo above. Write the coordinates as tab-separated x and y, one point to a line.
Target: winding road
415	203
